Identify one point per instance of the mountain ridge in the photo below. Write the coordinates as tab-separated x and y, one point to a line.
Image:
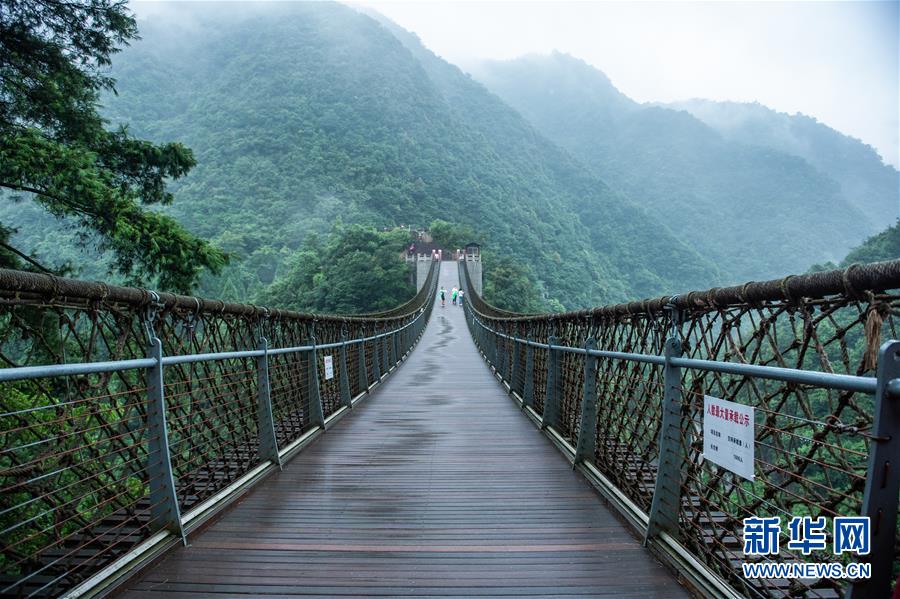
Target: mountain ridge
757	211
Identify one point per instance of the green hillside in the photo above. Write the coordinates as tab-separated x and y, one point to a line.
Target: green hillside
305	114
756	210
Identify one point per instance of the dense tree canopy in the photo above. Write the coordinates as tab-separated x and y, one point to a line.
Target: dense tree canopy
510	285
56	150
453	236
351	270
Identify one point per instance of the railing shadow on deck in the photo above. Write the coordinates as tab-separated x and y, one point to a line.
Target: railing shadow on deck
130	417
621	390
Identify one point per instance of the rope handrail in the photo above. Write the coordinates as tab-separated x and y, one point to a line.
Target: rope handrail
17	285
854	281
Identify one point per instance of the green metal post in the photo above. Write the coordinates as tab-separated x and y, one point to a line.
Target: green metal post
316	415
550	417
164	511
268	444
882	491
528	393
346	399
587	432
376	361
667	494
363	374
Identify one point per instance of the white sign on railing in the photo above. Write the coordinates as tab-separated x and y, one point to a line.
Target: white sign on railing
329	368
728	433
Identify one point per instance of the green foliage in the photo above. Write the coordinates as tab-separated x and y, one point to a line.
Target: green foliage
452	236
353	270
510	285
54	145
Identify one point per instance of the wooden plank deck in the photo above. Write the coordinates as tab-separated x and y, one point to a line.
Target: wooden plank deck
437	485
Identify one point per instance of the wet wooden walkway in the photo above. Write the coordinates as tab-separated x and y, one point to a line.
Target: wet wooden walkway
436	485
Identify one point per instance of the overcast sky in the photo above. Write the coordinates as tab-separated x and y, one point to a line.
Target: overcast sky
835	61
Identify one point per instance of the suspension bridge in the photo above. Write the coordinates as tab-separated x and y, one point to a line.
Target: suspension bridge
161	445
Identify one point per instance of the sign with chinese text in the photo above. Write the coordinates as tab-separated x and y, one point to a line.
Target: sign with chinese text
728	433
329	368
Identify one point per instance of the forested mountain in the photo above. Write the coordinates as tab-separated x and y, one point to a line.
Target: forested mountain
759	210
866	182
304	114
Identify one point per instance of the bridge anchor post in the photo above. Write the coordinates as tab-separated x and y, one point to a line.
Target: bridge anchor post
587	431
268	444
164	511
880	497
667	492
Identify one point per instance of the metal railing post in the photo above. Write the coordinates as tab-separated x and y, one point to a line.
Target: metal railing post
587	431
316	414
268	444
391	351
376	361
491	345
505	362
498	354
346	399
164	511
514	367
492	349
667	493
396	345
528	392
385	352
495	353
880	497
363	374
550	416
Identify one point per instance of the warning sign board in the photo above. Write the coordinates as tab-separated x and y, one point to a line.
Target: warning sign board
728	433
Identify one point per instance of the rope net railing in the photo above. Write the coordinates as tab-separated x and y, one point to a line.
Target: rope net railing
814	443
85	467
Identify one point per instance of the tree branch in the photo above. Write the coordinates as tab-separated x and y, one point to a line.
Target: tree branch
26	257
63	201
